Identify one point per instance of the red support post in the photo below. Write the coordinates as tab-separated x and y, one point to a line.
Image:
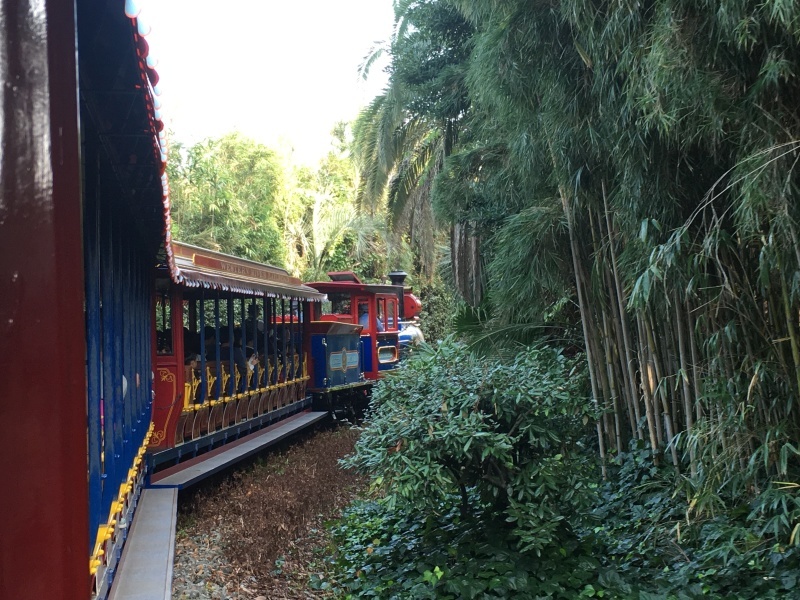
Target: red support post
44	537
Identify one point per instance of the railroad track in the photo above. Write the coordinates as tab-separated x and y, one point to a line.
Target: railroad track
260	531
145	568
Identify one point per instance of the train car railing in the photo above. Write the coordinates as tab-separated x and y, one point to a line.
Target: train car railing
119	391
239	368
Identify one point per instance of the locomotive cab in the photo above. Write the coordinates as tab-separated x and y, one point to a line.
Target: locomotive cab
376	308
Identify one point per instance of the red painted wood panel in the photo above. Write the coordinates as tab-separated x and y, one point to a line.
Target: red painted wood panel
43	503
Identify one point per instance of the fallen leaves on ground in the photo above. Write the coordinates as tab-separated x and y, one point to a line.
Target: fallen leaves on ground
266	523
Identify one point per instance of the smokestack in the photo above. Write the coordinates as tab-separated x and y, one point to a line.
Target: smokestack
398	277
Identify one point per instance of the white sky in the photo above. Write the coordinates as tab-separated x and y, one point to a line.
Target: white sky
280	71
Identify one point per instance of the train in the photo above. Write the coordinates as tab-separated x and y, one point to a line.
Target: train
128	355
237	340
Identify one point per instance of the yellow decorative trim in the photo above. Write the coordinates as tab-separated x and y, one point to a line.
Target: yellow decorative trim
107	530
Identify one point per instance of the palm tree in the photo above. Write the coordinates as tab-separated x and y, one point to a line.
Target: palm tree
404	135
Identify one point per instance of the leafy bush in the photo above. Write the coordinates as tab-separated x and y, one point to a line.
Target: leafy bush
499	437
480	468
642	532
400	553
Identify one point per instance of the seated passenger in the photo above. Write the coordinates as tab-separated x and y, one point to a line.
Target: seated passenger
363	318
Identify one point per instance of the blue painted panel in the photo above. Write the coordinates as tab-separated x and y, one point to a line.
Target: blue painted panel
337	359
109	408
342	360
366	352
94	337
318	356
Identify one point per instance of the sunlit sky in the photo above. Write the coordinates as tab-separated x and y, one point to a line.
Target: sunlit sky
280	71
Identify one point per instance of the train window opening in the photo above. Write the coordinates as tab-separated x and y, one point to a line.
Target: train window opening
381	320
163	324
338	307
391	314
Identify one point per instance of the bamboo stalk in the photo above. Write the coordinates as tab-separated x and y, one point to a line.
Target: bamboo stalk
648	398
695	362
684	375
661	389
619	366
626	334
612	383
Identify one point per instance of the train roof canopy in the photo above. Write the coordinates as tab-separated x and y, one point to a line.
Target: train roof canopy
348	287
344	276
197	267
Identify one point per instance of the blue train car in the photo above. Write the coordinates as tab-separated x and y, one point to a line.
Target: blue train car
337	381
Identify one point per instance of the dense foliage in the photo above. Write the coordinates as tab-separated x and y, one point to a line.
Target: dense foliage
486	485
240	197
223	194
626	173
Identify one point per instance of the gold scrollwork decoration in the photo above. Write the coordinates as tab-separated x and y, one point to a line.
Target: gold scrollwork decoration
169	377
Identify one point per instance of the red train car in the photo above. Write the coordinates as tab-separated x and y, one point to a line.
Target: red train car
81	220
230	357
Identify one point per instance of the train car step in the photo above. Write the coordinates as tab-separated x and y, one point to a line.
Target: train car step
145	569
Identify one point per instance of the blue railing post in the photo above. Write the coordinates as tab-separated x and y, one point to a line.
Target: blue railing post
275	371
242	328
203	379
217	357
254	309
231	361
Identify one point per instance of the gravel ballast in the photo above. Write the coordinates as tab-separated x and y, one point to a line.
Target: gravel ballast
259	532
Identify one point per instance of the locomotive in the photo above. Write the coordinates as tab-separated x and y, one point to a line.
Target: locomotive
127	354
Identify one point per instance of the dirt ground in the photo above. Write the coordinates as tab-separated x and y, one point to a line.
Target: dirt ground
259	533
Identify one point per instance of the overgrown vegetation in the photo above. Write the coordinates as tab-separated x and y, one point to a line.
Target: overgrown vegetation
627	173
487	485
240	197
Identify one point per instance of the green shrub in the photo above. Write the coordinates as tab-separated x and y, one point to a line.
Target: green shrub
396	552
504	438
